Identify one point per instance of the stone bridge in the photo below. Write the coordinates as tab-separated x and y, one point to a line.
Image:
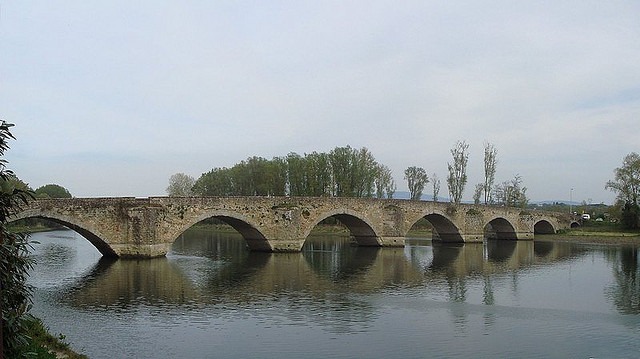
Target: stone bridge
146	227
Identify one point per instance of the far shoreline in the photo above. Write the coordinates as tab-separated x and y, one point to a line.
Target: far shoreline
591	238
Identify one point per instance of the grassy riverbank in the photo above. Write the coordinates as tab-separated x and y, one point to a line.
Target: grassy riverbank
43	345
595	232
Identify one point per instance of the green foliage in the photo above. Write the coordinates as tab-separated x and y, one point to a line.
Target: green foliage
180	184
384	182
627	185
631	215
473	212
416	180
478	193
41	342
457	178
345	172
15	293
436	187
52	191
490	161
15	299
511	193
627	179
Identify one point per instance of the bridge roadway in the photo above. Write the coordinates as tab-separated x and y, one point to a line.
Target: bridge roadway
146	227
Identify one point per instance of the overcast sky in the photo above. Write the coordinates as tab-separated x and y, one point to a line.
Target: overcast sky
110	98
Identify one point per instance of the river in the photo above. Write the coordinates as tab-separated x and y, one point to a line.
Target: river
210	298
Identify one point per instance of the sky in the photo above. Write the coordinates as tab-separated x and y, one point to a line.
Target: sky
110	98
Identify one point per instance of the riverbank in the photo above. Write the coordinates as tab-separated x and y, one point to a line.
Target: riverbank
597	233
593	238
43	345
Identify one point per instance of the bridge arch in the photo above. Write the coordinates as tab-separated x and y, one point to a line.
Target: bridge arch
91	234
543	227
359	227
500	228
444	229
255	240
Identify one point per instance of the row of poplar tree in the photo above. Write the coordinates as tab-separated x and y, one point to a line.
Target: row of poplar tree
343	172
346	172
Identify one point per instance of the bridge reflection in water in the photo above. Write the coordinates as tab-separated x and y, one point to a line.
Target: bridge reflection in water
205	267
210	296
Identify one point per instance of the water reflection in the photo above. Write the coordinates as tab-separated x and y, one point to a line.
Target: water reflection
125	284
625	292
208	268
210	288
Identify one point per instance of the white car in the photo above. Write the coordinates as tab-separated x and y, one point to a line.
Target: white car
585	216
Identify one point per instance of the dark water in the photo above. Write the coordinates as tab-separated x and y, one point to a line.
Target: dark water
212	299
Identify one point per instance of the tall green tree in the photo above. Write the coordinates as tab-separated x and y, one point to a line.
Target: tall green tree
341	159
490	161
52	191
627	179
345	171
320	181
457	179
384	182
15	263
297	174
436	187
364	173
478	193
416	180
626	184
217	182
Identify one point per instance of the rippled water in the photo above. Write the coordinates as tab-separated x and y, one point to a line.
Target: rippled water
211	298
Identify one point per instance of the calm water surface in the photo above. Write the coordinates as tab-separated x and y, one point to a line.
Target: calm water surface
210	298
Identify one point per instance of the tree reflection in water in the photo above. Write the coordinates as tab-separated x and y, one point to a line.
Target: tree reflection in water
625	293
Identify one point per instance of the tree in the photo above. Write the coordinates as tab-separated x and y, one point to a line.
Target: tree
319	179
341	164
627	185
436	187
457	178
15	293
631	215
52	191
511	193
627	179
180	184
384	182
478	193
344	172
353	172
416	180
490	161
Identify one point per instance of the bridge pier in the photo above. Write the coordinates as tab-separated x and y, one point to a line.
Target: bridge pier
391	241
282	245
141	250
524	236
473	237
